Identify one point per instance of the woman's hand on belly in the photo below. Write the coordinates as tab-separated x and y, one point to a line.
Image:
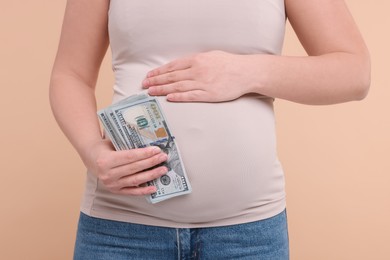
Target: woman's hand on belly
214	76
124	172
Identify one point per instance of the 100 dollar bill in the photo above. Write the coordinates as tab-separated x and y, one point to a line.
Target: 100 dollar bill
138	122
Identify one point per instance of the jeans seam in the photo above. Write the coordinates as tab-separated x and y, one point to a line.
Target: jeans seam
178	243
196	249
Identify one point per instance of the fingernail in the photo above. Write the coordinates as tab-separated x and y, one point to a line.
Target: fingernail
152	189
145	83
163	157
156	149
151	90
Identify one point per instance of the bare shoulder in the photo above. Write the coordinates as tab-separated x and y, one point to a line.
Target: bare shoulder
324	26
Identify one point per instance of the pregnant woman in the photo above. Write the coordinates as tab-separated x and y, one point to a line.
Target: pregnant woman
216	68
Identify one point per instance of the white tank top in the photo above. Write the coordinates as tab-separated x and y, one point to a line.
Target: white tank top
229	148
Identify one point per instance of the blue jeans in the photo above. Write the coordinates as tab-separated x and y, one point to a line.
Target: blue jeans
105	239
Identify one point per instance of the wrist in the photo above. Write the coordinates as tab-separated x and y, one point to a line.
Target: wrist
256	73
91	150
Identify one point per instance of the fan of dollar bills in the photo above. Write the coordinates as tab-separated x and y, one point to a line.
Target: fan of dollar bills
137	122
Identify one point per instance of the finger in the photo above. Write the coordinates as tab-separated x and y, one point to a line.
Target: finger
138	166
167	78
142	177
125	157
177	87
190	96
179	64
137	191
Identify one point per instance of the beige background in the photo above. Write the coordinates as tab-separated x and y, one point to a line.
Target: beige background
336	158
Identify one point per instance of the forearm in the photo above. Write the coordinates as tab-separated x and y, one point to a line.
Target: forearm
315	80
74	107
122	172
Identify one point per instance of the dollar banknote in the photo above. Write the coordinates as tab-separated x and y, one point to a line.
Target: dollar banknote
137	122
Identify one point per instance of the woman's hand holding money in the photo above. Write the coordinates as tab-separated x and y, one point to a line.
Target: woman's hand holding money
122	172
